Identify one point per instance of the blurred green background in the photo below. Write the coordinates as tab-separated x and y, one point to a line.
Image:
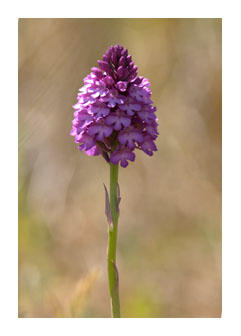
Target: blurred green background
169	244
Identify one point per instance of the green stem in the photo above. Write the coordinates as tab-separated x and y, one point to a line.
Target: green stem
112	270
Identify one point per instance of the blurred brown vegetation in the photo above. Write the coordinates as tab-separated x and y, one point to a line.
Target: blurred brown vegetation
169	244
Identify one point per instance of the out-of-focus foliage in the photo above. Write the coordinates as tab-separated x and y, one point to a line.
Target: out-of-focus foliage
169	244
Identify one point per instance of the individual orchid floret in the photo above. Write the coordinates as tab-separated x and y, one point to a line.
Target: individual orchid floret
99	110
122	86
98	89
86	140
147	114
100	130
130	136
113	98
148	145
140	94
118	120
122	154
130	106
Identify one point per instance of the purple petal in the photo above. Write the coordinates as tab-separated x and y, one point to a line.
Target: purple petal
118	119
148	146
122	154
122	61
94	151
120	71
140	94
100	131
130	107
122	86
103	65
86	140
148	117
108	80
99	110
129	137
97	72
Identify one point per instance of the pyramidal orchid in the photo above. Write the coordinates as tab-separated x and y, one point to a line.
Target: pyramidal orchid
113	117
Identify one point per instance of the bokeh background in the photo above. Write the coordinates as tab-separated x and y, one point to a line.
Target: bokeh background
169	244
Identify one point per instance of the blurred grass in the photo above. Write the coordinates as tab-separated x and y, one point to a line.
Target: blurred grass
169	246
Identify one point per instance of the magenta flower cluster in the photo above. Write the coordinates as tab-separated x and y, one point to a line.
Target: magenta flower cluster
114	113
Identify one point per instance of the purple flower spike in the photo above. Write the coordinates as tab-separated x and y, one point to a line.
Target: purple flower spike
114	113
